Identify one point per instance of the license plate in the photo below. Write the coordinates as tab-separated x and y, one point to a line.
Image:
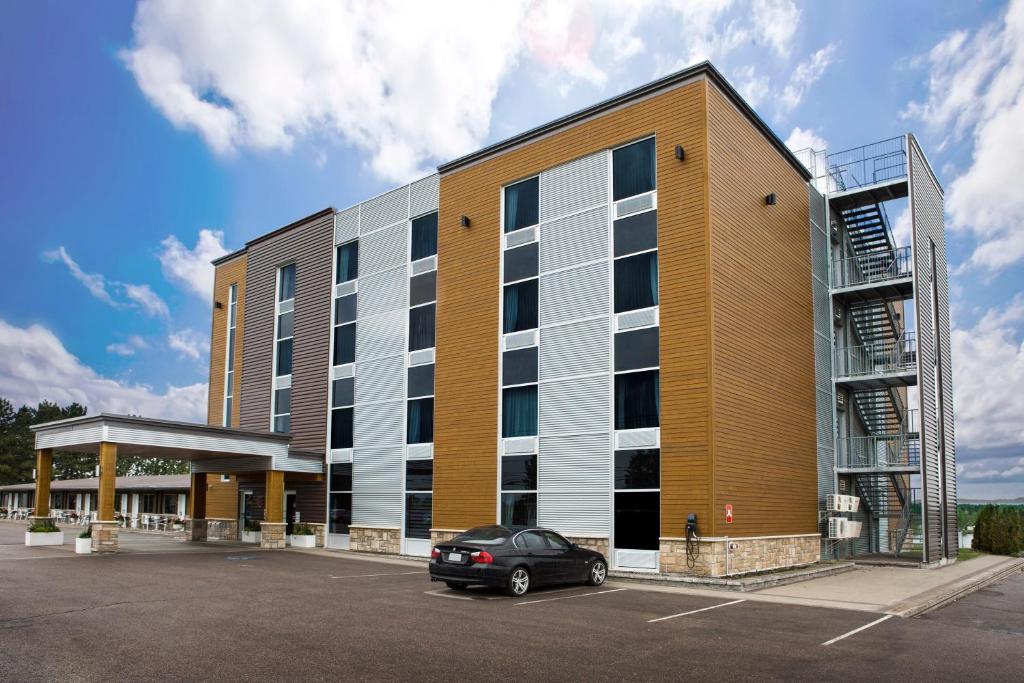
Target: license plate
455	557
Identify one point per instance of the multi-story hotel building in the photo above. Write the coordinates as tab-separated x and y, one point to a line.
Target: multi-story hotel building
644	313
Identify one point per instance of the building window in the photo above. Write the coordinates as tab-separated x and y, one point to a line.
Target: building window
229	351
345	309
420	421
636	281
519	473
341	427
345	344
522	204
419	484
637	469
519	509
347	266
421	327
147	502
170	504
340	498
519	411
520	306
424	236
284	331
637	499
637	400
633	169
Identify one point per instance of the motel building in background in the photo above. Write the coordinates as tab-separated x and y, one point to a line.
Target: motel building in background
647	325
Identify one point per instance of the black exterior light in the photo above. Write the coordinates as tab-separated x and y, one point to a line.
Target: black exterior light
217	304
464	221
770	199
680	152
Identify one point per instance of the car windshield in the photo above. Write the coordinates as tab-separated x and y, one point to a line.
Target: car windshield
484	535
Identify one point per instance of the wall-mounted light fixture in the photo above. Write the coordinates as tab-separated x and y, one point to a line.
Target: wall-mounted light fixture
680	152
217	304
770	199
464	221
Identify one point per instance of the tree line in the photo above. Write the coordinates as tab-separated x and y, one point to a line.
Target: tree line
999	529
18	455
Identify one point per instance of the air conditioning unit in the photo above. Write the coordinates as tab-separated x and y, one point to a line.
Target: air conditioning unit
852	528
854	503
837	527
832	503
840	401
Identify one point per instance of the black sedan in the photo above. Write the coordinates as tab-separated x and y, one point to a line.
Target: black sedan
514	558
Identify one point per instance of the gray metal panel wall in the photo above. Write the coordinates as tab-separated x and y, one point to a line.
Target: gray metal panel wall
926	204
309	247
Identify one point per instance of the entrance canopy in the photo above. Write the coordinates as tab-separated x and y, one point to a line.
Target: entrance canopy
208	448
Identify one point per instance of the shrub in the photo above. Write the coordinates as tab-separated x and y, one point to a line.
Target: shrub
43	527
302	530
999	530
86	534
252	525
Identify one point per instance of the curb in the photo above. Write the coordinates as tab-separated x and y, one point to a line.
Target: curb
960	590
741	585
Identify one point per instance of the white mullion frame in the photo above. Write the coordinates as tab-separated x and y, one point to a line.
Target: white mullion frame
229	390
278	304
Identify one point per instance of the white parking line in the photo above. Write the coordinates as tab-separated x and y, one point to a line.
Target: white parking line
570	597
366	576
694	611
858	630
446	593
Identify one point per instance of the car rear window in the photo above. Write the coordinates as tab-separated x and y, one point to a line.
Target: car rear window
484	535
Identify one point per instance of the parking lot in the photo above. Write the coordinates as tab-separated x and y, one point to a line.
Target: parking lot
232	613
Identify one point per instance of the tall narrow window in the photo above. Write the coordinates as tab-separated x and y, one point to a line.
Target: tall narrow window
420	421
636	281
424	236
519	490
637	396
421	327
633	169
229	353
637	499
284	331
341	497
419	484
347	267
519	411
522	204
342	400
519	307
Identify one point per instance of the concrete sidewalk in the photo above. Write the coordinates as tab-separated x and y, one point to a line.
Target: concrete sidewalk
890	590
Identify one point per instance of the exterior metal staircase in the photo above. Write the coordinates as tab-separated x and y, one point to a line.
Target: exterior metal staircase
868	229
889	497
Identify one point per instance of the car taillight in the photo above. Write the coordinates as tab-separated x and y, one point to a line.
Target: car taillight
435	554
482	557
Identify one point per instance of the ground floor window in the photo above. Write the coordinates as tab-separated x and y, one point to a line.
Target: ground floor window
340	513
637	499
147	503
419	498
519	509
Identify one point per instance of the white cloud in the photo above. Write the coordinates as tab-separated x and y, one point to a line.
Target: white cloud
192	267
988	373
189	343
127	295
805	75
35	366
800	139
752	85
776	21
903	229
976	87
127	347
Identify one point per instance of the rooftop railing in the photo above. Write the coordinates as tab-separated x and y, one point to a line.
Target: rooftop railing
877	358
871	164
875	267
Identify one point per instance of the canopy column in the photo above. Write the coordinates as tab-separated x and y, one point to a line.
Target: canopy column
273	526
104	529
196	526
44	472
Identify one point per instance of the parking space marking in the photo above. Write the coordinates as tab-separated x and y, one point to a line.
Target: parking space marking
570	597
444	593
858	630
694	611
367	576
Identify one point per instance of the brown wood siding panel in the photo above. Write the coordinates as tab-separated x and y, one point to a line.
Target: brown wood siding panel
466	380
763	402
225	275
310	499
309	247
221	497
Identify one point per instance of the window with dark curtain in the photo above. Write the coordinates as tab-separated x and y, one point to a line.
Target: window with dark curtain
636	400
421	327
420	421
286	286
522	204
348	262
341	428
636	282
424	236
341	512
520	306
519	509
345	344
418	514
633	169
519	411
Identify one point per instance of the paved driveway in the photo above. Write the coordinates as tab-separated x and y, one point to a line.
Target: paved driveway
242	613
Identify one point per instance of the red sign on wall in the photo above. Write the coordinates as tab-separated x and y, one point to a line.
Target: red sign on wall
728	514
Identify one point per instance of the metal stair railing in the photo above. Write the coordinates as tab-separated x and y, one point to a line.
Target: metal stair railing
871	267
867	165
878	451
877	357
898	536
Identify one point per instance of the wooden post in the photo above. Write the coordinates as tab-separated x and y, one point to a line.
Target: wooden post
197	496
108	476
44	471
273	510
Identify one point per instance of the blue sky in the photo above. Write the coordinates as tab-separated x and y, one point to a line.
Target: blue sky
139	141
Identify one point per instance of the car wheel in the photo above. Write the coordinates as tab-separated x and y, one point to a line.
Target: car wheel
518	582
456	586
597	574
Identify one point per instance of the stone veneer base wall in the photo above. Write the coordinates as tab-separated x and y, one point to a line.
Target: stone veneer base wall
272	535
597	543
367	539
104	537
195	530
745	555
443	535
319	531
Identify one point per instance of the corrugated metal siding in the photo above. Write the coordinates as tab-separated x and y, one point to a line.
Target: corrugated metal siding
377	486
576	405
380	336
384	249
380	380
378	424
575	349
386	209
927	218
574	463
424	195
574	240
574	186
575	514
346	225
308	246
573	294
822	301
382	292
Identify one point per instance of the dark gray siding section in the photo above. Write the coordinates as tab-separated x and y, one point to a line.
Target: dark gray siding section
934	359
309	246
